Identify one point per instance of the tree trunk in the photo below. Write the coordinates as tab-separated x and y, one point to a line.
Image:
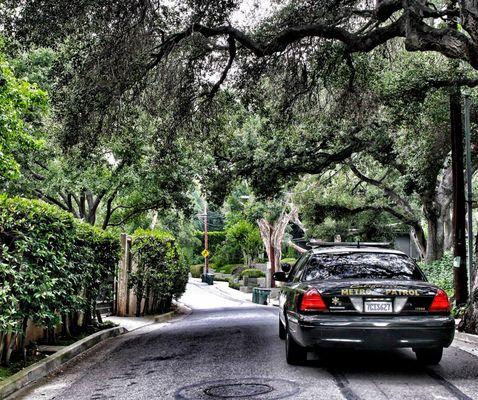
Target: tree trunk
444	197
23	338
10	346
420	240
435	233
2	346
469	322
447	228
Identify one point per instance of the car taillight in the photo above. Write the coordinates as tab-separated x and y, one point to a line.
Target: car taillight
440	303
312	301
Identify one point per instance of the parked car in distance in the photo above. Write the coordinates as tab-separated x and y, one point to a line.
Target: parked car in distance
361	296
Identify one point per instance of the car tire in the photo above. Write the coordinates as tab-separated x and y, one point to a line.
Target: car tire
429	356
295	354
282	332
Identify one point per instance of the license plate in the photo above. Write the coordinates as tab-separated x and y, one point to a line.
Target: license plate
378	307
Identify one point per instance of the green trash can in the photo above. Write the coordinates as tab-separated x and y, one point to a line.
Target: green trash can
210	279
260	295
203	278
255	295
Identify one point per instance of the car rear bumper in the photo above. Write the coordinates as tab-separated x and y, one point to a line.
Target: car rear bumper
373	332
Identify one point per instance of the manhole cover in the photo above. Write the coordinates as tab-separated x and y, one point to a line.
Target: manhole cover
243	388
234	390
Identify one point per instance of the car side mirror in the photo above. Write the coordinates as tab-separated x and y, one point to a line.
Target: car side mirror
286	267
280	276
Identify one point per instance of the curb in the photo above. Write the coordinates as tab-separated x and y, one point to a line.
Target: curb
180	309
230	294
50	363
466	337
164	317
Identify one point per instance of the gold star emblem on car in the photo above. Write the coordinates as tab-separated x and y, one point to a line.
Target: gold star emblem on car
335	301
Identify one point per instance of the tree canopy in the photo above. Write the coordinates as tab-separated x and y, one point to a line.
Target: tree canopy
22	105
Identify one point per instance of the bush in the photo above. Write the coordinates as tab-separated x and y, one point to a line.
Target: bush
440	272
228	268
233	284
51	265
252	273
290	261
196	270
161	274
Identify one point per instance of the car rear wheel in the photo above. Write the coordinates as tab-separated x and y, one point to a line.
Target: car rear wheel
294	352
282	332
429	356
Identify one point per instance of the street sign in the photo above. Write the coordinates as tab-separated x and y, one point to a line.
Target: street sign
205	253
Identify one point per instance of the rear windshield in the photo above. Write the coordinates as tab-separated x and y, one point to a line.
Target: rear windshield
362	266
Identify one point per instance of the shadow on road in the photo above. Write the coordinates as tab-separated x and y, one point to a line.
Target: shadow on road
350	360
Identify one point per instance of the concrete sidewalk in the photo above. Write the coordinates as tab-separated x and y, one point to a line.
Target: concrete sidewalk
131	323
224	288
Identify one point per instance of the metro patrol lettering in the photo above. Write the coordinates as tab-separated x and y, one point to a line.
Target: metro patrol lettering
386	292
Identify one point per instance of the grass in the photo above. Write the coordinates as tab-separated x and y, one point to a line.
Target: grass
17	365
5	373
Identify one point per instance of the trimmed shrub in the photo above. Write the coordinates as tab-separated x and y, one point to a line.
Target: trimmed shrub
196	270
252	273
290	261
161	274
228	268
233	284
51	266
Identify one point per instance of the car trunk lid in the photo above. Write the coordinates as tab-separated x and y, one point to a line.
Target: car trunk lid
376	296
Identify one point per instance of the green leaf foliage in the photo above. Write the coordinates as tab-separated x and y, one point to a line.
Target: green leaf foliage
50	264
215	240
22	106
252	273
161	273
440	272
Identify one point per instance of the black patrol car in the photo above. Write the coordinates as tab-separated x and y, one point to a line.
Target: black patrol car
361	295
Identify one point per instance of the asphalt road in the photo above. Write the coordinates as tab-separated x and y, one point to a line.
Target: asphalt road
229	349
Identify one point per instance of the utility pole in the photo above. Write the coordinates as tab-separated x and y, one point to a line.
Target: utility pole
206	244
469	192
460	280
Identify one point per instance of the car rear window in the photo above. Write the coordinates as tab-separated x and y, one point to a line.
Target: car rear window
362	266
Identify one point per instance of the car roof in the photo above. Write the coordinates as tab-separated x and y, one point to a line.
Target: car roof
355	249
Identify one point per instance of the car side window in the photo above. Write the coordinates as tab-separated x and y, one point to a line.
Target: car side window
299	268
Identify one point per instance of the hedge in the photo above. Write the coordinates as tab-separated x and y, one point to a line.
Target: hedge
252	273
196	270
52	266
161	272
